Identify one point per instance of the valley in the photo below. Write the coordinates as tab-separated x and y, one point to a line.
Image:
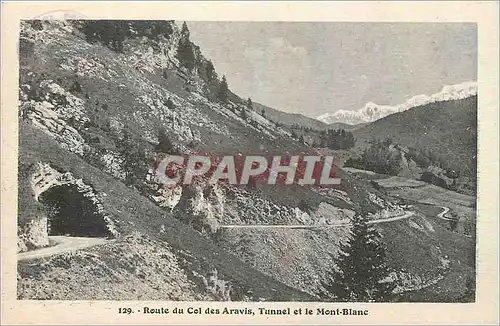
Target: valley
98	110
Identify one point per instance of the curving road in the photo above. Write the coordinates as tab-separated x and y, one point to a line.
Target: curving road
445	211
63	244
69	244
302	226
392	219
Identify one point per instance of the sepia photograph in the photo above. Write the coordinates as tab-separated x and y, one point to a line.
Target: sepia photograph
394	105
244	167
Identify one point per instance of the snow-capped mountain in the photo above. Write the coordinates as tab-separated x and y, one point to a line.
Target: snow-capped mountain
372	111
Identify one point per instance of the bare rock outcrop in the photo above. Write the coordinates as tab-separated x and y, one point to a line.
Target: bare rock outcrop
33	234
203	206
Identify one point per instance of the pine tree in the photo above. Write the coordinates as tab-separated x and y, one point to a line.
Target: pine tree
223	90
361	273
134	158
185	52
210	71
185	30
249	103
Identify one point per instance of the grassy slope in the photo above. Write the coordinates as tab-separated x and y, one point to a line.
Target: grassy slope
131	268
289	119
420	251
448	129
346	126
135	212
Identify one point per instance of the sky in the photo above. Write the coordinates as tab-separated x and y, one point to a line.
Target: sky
319	67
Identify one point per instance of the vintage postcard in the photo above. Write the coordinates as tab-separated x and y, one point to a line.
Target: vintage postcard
250	163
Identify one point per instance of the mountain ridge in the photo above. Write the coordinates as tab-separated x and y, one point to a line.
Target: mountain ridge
372	112
445	131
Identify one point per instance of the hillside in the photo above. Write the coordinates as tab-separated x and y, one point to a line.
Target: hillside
448	130
190	255
345	126
289	119
102	101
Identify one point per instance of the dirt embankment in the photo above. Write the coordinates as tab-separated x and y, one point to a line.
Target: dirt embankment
132	268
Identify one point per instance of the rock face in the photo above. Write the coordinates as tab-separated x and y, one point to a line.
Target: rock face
113	164
203	205
219	289
330	214
33	235
168	196
48	106
44	178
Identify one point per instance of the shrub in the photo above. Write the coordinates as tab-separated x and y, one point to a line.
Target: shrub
76	87
305	206
71	121
419	158
164	144
378	158
111	33
431	178
244	114
135	161
36	24
336	139
169	104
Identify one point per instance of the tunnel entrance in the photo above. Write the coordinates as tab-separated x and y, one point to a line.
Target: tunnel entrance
72	213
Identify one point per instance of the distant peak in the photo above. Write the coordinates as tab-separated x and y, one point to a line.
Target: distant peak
372	111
